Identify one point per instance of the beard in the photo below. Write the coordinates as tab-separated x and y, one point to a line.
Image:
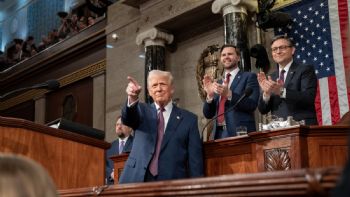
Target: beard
121	135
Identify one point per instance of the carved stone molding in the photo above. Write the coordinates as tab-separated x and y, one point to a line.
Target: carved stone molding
154	36
277	159
230	6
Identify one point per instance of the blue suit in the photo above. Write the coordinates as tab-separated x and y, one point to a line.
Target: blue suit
181	154
301	86
112	151
243	114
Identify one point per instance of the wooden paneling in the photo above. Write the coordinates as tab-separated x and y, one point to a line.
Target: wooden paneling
82	92
327	152
283	149
24	110
71	159
306	182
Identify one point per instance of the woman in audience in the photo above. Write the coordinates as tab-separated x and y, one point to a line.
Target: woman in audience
20	176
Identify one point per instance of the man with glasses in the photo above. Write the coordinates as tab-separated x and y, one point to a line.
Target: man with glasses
291	89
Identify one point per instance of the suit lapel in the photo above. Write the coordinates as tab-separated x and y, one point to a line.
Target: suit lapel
290	74
236	80
128	143
174	120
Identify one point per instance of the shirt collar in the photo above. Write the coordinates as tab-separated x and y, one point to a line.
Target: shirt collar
167	107
232	72
124	139
286	68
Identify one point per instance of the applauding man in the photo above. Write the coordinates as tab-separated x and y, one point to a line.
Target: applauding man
224	94
291	89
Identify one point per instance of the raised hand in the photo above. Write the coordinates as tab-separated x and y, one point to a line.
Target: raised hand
267	85
208	86
133	90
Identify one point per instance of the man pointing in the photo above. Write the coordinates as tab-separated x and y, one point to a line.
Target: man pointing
166	144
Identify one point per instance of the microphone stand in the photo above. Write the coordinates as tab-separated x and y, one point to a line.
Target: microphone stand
247	93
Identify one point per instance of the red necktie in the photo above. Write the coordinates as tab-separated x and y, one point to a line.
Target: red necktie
282	75
223	99
153	168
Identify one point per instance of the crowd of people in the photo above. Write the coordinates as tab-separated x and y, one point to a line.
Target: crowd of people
162	130
18	49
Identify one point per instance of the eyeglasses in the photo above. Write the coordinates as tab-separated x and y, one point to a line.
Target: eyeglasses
281	48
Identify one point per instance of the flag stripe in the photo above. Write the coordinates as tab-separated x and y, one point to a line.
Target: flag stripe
325	102
333	99
341	97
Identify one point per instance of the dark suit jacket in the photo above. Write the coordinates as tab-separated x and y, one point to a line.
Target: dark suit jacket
114	150
301	86
243	114
181	154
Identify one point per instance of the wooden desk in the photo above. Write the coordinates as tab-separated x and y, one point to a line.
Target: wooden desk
284	149
71	159
301	182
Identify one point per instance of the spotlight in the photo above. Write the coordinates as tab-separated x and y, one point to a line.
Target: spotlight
115	36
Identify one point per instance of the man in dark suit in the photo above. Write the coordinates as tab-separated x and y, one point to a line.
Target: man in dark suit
121	145
167	144
221	96
290	90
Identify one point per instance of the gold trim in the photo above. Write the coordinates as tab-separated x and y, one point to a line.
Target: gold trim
284	3
87	71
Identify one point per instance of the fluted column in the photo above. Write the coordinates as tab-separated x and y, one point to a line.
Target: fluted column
235	25
154	41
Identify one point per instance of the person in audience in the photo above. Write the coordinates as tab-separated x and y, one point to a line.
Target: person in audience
224	94
44	43
29	49
121	145
14	52
91	20
54	38
64	28
21	176
291	89
81	23
167	144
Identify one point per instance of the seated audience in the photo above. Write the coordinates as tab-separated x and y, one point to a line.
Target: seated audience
29	49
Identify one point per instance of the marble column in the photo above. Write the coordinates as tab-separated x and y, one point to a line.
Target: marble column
154	41
235	14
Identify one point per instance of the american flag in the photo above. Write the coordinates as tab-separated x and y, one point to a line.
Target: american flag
320	31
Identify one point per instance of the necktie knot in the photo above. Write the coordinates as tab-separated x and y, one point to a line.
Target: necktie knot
282	74
227	80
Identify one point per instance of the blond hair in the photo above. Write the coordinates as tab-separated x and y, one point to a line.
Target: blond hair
21	176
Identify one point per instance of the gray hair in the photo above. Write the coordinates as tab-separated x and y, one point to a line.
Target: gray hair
167	74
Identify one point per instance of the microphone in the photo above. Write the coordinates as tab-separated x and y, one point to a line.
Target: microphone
247	93
52	84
